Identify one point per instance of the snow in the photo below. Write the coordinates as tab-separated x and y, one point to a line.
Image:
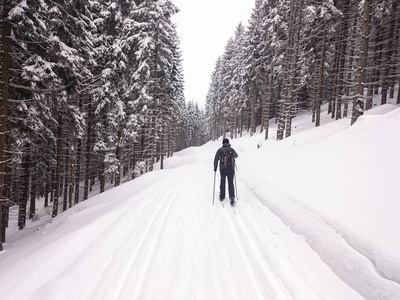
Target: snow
316	218
18	10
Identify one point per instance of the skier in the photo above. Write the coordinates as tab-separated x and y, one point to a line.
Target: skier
226	156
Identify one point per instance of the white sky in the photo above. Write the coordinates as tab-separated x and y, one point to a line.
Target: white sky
204	28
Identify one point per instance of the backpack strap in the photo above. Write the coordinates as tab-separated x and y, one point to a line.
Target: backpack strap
226	160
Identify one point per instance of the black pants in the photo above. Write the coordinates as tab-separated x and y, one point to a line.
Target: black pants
228	172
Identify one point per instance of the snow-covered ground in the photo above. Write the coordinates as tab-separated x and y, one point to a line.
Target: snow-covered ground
317	217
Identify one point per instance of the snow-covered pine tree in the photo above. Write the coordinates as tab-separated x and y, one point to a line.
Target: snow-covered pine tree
319	33
274	34
213	102
295	26
236	92
284	113
49	46
157	74
174	109
228	66
254	65
113	41
170	91
341	59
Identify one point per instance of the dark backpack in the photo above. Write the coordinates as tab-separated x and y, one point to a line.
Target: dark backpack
227	159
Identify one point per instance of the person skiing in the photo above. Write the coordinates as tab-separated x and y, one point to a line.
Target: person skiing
226	158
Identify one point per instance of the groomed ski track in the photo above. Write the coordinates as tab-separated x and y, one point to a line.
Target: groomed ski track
172	243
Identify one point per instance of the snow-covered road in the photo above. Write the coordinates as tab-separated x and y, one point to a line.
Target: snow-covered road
163	239
170	242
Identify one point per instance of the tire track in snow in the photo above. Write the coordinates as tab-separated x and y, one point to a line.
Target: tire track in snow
266	285
128	284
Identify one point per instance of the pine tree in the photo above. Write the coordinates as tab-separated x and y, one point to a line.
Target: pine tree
253	64
236	93
213	103
290	69
319	25
274	35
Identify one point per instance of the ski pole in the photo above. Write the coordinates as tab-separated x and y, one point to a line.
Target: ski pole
215	173
237	197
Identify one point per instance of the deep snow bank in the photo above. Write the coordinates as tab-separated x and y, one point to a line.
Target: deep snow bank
338	186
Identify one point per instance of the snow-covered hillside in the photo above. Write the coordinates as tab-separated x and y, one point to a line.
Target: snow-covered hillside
317	217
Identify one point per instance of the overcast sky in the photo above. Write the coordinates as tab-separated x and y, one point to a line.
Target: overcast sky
204	28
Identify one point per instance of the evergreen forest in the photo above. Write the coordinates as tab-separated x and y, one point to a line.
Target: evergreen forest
296	55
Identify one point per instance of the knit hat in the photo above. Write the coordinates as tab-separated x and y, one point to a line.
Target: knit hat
225	141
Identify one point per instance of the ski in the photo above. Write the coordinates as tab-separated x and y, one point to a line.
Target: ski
233	207
222	201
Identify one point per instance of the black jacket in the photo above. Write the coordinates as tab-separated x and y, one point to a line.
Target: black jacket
220	153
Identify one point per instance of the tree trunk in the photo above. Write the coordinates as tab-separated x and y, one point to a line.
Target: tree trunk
254	109
155	107
32	206
396	52
368	100
6	207
162	151
320	82
5	63
281	117
25	194
72	170
349	72
47	188
78	170
339	85
88	151
102	170
102	177
162	135
118	157
389	66
67	181
372	73
378	59
358	104
58	167
134	158
5	217
335	100
268	112
52	180
398	96
293	70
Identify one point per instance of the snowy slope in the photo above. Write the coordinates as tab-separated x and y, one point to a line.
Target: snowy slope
316	218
